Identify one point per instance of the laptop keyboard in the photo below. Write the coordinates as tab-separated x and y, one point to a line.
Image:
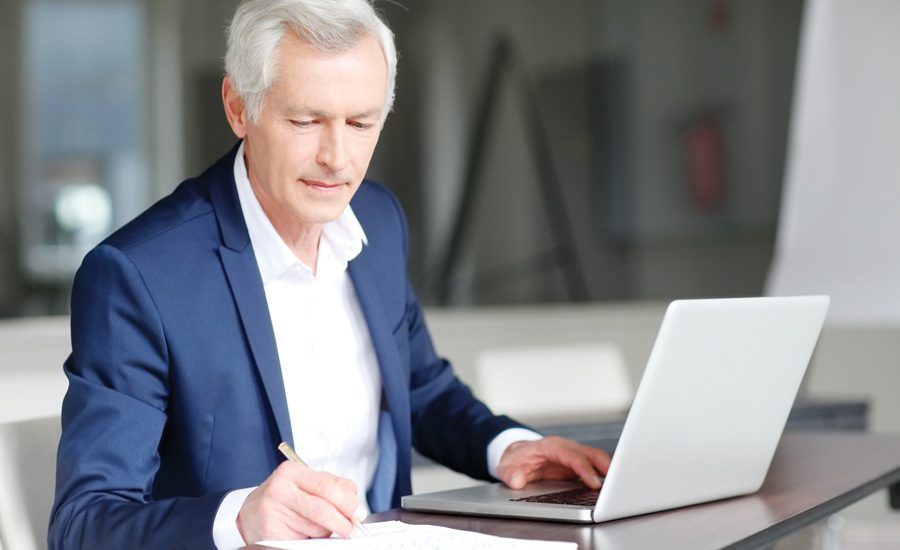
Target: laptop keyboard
582	496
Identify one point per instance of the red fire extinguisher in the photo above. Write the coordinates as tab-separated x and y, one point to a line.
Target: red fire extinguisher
706	163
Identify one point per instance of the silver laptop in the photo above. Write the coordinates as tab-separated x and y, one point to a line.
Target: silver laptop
704	424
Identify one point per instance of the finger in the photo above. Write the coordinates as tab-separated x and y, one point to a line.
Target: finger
310	496
518	480
515	471
517	475
572	455
321	513
585	471
524	475
360	512
304	528
555	471
599	458
527	461
340	492
348	485
268	513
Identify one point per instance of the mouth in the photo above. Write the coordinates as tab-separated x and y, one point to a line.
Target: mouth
322	185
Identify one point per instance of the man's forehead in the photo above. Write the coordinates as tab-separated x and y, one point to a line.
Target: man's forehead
296	55
309	82
291	38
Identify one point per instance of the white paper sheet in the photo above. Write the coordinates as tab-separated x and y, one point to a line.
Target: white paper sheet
396	535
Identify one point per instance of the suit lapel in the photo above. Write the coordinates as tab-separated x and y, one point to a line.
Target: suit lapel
246	287
242	272
389	363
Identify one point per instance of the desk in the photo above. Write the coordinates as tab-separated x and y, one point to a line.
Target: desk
813	475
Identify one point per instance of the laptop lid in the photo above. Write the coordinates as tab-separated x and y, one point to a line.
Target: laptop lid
706	418
712	402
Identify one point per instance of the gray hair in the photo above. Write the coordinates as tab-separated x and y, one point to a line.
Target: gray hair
328	25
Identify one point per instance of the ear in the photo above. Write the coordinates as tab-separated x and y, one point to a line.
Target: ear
235	111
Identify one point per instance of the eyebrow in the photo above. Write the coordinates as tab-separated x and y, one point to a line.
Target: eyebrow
371	113
293	112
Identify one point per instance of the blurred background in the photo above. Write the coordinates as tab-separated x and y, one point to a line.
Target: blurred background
587	150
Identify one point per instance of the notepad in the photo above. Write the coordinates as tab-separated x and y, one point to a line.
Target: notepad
396	535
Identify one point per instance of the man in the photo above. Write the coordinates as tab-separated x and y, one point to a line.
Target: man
266	301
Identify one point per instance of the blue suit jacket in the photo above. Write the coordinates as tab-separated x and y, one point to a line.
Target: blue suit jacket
175	391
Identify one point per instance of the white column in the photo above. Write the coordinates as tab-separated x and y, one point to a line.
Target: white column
839	229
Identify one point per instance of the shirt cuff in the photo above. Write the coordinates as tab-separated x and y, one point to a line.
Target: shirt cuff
504	439
226	535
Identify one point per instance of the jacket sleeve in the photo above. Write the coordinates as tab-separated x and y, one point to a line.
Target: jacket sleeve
449	424
113	418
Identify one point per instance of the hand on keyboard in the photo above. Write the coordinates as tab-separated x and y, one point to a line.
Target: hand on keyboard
552	457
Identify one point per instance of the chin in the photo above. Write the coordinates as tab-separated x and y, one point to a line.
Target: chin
323	216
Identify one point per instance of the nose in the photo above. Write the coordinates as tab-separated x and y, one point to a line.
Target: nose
332	149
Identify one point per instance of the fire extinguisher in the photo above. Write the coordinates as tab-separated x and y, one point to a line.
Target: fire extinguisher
706	163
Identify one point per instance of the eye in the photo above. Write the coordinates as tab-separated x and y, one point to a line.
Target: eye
305	123
360	125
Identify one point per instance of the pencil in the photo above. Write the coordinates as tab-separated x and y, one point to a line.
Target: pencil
291	455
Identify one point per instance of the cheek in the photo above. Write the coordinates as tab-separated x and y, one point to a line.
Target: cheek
296	152
363	150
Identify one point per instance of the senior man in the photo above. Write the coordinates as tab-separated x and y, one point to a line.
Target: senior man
264	301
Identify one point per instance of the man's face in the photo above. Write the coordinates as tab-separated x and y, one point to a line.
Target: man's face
321	119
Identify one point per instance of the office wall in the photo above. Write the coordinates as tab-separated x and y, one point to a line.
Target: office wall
637	231
166	125
677	66
10	33
739	73
206	132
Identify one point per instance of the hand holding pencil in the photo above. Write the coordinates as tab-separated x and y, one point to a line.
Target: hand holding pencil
296	502
291	455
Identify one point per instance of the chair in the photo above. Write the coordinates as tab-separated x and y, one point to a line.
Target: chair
553	380
27	476
34	393
32	352
34	342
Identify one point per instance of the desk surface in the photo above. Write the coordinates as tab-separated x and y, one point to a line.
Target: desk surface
812	475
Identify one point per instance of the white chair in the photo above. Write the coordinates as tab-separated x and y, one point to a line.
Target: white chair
553	380
27	478
31	394
32	352
34	342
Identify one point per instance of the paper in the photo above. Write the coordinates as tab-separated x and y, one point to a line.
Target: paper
396	535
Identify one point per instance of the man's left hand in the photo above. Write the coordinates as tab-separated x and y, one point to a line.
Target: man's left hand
552	457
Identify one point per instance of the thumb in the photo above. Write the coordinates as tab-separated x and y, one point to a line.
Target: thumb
517	481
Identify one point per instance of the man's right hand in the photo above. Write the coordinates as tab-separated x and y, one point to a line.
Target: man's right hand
296	502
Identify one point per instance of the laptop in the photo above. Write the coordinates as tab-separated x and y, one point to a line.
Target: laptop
704	424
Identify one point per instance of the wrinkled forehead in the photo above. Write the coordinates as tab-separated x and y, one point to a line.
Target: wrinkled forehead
343	82
333	57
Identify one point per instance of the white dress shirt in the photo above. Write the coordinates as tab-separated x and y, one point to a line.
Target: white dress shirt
328	363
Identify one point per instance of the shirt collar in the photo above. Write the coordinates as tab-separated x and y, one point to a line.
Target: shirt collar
344	236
